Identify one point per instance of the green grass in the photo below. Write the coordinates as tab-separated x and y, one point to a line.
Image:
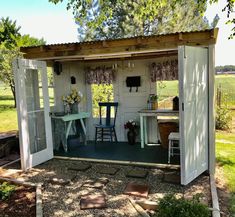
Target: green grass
225	155
8	115
227	83
167	89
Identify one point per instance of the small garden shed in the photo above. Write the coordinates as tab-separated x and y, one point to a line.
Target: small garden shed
187	57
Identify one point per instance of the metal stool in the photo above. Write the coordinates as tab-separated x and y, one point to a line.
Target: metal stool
174	145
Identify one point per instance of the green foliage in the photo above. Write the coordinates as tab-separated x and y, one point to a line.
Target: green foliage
226	68
10	42
225	157
27	40
170	206
223	118
6	190
9	32
100	93
119	18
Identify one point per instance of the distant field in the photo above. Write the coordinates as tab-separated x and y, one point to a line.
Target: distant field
167	89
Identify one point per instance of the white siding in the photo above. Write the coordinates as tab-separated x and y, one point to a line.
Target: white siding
129	102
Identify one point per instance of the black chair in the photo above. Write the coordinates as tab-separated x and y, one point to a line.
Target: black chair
102	130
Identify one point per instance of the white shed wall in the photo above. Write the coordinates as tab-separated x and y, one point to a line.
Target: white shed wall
129	102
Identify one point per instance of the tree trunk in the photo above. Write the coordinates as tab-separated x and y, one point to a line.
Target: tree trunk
14	94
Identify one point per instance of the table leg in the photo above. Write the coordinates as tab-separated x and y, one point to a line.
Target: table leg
141	131
84	130
145	131
68	128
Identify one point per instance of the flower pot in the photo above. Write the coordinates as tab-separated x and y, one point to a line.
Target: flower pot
74	108
131	136
155	105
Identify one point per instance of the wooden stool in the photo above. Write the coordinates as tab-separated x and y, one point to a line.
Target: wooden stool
174	145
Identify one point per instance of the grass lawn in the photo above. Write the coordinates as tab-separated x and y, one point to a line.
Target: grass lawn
225	155
8	115
167	89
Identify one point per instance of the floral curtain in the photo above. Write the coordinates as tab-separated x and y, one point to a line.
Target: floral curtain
164	71
100	75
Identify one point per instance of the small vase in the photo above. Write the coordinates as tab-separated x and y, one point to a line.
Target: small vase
74	108
67	109
131	136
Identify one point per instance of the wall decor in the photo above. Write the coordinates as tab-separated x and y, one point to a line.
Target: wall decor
57	66
133	81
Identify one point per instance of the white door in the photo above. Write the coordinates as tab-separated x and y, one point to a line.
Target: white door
193	84
33	112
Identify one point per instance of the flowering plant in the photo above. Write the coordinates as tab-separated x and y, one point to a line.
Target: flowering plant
131	125
73	97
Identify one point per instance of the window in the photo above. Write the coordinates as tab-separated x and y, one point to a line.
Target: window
51	86
166	91
101	93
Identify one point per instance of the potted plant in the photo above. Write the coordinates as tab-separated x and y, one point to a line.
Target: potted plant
153	101
71	101
131	125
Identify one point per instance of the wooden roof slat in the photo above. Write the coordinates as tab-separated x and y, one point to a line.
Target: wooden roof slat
145	43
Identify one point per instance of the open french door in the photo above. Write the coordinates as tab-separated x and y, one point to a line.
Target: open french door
33	108
193	84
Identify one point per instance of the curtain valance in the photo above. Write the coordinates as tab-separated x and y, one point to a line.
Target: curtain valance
167	70
100	75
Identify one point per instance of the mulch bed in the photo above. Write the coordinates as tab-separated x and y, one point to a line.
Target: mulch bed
21	203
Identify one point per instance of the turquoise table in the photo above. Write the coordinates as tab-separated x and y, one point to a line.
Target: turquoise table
152	113
64	124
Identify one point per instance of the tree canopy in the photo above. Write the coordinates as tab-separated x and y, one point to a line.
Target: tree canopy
118	18
100	19
10	42
9	32
226	68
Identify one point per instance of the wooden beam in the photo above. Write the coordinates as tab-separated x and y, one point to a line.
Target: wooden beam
145	43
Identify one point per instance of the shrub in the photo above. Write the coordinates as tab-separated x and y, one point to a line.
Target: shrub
6	190
223	118
170	206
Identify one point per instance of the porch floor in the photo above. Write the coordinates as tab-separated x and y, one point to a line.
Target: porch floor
120	151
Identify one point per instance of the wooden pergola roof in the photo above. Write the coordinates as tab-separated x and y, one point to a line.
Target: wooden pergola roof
121	48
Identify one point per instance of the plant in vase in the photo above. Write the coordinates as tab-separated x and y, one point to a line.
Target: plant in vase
131	134
71	101
153	99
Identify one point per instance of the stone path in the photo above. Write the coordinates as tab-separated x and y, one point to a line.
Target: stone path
69	192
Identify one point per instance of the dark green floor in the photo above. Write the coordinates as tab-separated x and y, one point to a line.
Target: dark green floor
120	151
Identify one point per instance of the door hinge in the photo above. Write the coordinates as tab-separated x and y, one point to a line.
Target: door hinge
182	106
184	52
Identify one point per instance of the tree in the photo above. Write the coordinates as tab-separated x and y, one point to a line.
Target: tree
9	32
99	17
118	18
10	42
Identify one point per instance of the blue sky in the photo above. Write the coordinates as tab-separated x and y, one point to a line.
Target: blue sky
55	24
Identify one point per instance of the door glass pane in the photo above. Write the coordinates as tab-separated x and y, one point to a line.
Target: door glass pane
35	111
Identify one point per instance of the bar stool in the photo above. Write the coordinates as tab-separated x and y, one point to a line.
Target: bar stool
174	145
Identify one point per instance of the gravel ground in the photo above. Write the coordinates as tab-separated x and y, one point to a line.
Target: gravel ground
59	200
